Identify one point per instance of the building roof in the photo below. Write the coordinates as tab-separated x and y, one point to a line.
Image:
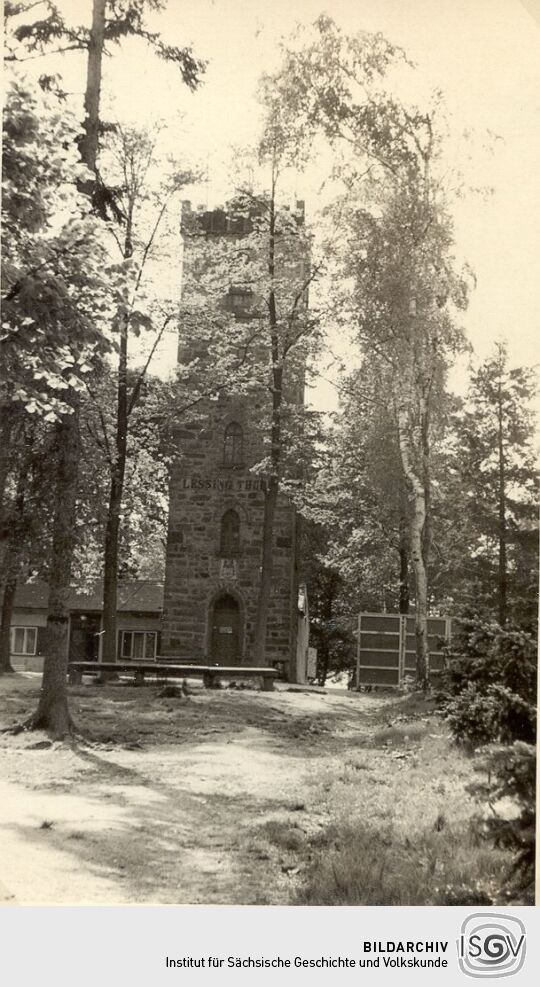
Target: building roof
140	595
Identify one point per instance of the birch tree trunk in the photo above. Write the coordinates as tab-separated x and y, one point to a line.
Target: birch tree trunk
404	591
417	495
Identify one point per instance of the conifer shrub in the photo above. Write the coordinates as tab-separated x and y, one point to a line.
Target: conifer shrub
490	685
509	777
490	704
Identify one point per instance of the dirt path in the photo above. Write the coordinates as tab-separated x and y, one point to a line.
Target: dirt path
175	801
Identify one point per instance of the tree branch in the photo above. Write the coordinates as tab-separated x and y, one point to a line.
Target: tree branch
138	384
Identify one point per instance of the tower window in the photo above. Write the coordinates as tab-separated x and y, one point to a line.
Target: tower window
233	443
230	535
239	300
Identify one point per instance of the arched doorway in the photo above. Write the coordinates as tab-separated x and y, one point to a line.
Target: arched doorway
225	627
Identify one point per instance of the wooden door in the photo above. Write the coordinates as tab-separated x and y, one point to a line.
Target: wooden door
225	645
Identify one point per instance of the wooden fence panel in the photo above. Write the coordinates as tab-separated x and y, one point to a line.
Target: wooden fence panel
386	647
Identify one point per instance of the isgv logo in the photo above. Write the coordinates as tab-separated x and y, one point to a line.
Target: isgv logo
491	945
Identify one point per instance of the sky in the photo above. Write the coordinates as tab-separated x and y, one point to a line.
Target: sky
483	54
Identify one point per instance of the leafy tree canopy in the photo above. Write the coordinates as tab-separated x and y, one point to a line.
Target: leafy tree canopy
48	31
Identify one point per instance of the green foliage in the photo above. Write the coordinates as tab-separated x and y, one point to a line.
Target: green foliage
491	683
357	495
401	288
494	467
482	715
331	82
143	529
40	34
330	619
54	277
511	776
55	311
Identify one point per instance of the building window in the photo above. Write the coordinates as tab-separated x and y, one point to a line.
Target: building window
230	535
139	645
239	300
233	445
23	640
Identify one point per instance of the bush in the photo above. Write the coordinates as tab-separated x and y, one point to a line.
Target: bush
478	716
490	685
511	775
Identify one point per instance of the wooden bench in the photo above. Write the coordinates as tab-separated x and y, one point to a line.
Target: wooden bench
210	674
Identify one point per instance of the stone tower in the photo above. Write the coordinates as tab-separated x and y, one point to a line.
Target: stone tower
214	544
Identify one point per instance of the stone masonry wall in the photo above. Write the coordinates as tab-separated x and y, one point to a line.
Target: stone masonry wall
202	489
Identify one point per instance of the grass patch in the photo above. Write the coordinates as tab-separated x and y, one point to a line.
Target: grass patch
359	865
401	823
284	835
400	734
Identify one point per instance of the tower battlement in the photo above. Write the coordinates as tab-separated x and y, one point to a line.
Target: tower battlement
233	219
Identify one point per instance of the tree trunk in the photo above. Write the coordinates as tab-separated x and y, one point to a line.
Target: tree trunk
270	503
10	568
89	143
6	429
110	568
272	486
323	656
417	524
52	712
267	565
404	591
112	533
426	478
503	573
421	585
10	589
6	434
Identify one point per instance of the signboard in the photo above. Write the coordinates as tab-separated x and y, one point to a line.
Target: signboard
228	570
222	483
386	647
